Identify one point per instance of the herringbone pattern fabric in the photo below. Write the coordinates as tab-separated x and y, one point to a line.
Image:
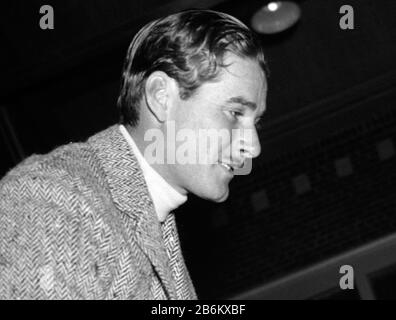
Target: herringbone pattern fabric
78	223
179	272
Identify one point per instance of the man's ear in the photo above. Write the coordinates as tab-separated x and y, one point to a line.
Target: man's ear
158	92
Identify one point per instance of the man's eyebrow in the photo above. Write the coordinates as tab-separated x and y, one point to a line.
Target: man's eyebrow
243	101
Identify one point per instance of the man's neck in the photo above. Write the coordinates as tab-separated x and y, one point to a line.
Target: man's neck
165	197
162	168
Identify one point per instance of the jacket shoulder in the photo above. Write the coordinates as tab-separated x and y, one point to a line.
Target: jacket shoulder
65	161
57	238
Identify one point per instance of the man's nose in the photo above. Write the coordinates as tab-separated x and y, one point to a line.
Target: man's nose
251	147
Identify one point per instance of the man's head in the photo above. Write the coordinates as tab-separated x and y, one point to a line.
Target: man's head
196	69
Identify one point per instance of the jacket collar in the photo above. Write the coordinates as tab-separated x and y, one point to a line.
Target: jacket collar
130	195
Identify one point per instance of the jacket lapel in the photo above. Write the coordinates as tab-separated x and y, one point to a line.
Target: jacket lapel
130	195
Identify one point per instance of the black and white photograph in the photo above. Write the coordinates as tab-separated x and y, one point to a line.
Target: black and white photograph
207	150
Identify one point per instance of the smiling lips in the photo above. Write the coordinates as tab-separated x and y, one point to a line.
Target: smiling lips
231	167
228	167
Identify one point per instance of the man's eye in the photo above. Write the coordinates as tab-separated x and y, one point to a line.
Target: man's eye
236	114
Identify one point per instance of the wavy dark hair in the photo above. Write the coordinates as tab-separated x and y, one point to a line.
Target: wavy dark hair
189	47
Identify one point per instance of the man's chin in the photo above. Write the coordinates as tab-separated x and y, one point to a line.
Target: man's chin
218	198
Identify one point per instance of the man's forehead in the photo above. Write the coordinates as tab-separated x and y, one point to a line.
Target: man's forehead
241	82
245	68
250	85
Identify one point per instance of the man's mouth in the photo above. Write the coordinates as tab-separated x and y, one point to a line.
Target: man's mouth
229	167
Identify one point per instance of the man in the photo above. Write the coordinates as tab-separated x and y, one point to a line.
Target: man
94	220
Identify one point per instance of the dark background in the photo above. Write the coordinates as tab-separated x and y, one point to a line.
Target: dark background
325	182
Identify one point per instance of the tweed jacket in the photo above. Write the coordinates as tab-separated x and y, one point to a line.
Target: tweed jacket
79	223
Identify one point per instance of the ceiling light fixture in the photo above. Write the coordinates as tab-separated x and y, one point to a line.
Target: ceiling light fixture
275	17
